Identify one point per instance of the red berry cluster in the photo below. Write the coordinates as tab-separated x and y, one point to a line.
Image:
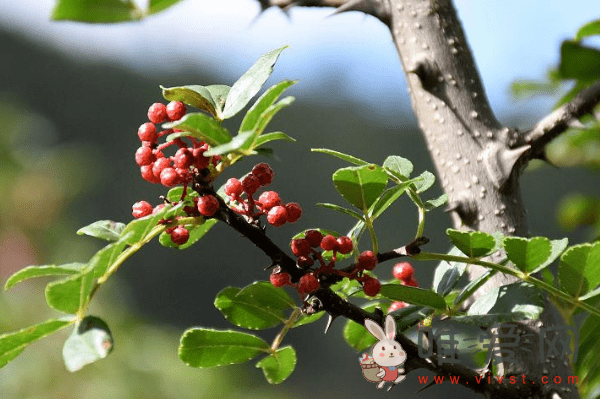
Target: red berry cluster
268	203
307	252
189	160
404	272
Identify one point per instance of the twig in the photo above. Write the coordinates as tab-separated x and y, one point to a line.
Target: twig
560	120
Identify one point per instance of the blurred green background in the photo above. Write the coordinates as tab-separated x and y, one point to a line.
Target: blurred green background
68	122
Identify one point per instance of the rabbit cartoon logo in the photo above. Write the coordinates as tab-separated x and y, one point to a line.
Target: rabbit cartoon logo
384	364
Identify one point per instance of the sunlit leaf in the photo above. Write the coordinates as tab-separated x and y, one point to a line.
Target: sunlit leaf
474	244
360	185
41	271
13	343
103	229
278	366
90	341
96	11
203	347
250	83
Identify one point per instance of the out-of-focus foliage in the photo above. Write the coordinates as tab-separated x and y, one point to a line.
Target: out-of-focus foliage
579	67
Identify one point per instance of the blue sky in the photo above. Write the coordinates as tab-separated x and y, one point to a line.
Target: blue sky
511	40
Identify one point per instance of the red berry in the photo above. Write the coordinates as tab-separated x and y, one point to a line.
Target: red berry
175	110
294	212
250	184
169	177
305	261
157	113
233	187
147	132
208	205
269	199
180	235
396	305
215	159
345	245
159	165
280	279
277	216
158	208
300	247
200	161
411	283
264	173
403	271
147	174
308	283
184	158
141	209
144	156
329	243
314	237
371	286
367	260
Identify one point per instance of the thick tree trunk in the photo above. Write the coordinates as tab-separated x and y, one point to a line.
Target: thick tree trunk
478	160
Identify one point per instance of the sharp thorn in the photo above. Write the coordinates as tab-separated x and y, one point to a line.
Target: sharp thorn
329	322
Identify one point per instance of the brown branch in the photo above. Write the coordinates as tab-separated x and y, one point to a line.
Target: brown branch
558	121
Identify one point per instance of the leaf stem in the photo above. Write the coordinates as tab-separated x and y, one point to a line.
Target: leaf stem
286	327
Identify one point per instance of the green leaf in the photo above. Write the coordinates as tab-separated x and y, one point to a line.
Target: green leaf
250	83
174	194
360	185
106	256
41	271
255	307
71	294
579	62
157	6
13	343
558	247
447	274
527	254
397	292
219	95
436	202
424	181
137	229
348	158
473	286
398	166
305	319
196	233
589	29
356	335
519	298
256	112
268	137
240	143
266	116
525	89
90	341
579	269
96	11
201	126
343	210
103	229
474	244
386	199
197	96
203	347
278	366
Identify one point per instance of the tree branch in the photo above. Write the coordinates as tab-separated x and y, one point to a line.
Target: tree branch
558	121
